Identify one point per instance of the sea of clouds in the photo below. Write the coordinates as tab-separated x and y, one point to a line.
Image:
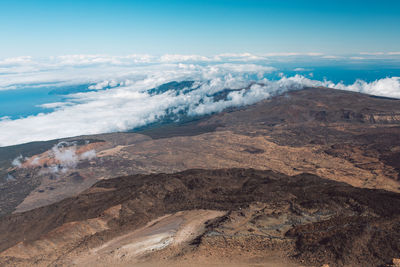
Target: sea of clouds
119	99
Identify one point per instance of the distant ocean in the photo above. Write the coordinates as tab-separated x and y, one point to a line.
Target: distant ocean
27	101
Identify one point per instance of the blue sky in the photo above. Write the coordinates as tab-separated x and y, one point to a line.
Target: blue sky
44	28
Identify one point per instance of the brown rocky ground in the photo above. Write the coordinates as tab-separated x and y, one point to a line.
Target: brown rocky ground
227	216
338	135
318	142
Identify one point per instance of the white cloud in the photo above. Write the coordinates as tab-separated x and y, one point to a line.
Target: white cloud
380	53
331	57
389	87
292	54
21	72
301	69
16	61
182	58
314	54
372	53
102	71
126	104
140	58
283	54
127	107
226	57
54	105
104	84
238	57
5	118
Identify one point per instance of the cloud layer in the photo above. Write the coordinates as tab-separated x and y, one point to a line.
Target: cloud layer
120	99
19	72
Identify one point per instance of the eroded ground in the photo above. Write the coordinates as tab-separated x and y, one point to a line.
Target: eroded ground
229	216
337	135
60	206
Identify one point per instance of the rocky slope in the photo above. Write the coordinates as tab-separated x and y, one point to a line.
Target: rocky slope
326	189
338	135
233	216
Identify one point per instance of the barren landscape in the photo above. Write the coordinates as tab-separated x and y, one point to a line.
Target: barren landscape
306	178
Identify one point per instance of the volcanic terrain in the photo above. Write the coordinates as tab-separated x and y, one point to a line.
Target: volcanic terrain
306	178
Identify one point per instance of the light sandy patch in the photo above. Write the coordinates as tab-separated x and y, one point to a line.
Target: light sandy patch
166	231
94	190
111	152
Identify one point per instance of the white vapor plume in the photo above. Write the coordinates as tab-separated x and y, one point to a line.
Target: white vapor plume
35	161
17	162
91	154
66	157
60	158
